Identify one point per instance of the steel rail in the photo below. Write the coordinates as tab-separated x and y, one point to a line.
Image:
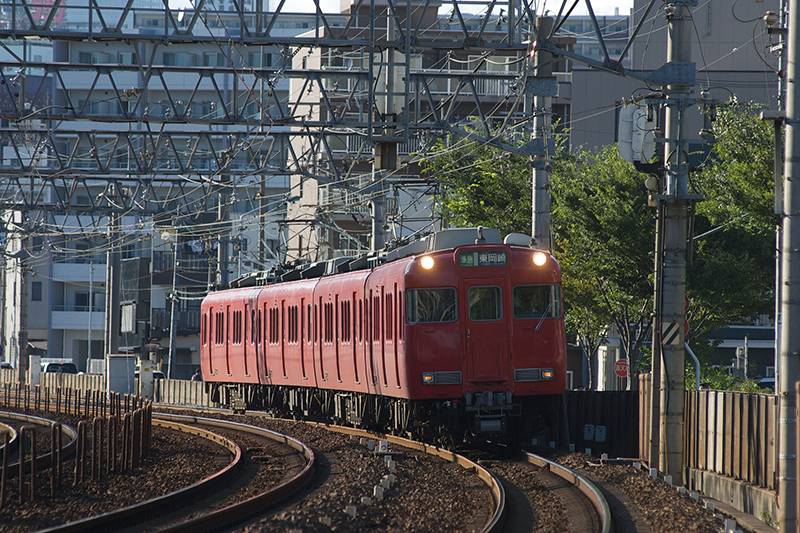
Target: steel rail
45	460
258	503
218	518
122	517
581	483
13	443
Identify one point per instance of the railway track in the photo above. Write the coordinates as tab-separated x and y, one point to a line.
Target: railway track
44	428
222	499
486	506
545	496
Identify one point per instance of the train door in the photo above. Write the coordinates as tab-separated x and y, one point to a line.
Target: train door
282	339
337	341
261	346
486	339
303	337
267	332
228	339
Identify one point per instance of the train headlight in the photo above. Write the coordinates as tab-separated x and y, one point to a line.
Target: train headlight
547	373
427	378
539	259
426	262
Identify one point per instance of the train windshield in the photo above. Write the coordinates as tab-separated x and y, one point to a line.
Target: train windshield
485	303
431	305
537	301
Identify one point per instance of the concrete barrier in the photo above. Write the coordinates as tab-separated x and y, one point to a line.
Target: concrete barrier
8	375
744	497
82	382
182	392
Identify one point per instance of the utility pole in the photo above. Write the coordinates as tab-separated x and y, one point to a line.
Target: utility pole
89	333
387	103
173	319
790	302
22	334
674	200
112	289
542	129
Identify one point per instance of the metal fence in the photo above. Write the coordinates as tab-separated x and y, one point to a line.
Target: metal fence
604	421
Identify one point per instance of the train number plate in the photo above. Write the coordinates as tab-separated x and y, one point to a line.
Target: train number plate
483	259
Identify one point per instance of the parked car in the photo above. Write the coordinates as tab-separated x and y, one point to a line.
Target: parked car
6	365
157	374
60	367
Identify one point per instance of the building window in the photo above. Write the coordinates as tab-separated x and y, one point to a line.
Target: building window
36	291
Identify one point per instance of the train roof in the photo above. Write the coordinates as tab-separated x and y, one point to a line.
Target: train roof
433	242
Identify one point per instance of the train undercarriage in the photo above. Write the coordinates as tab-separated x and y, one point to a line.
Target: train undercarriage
446	423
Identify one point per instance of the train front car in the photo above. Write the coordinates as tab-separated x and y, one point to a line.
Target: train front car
485	348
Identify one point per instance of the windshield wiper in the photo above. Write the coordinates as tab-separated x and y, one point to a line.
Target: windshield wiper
549	305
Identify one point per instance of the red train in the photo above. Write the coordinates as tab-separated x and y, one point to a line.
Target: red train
454	335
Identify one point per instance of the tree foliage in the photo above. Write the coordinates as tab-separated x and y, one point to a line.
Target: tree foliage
732	276
603	238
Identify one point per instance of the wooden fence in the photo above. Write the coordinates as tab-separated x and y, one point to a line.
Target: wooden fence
733	434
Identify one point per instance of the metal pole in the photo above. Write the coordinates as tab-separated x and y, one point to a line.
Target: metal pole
22	334
89	335
112	289
673	302
173	322
542	126
790	304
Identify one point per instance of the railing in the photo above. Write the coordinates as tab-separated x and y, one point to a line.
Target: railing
352	145
79	308
79	258
160	318
165	261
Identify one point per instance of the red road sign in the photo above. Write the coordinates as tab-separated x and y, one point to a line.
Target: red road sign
621	368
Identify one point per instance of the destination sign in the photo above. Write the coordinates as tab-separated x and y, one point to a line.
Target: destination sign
483	259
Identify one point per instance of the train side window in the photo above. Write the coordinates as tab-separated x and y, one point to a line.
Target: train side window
389	316
361	321
400	315
485	303
431	305
253	327
308	327
537	301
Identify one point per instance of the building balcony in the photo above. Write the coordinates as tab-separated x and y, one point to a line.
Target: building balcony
77	317
79	272
188	322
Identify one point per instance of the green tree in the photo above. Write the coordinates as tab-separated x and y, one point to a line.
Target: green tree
603	238
732	277
482	186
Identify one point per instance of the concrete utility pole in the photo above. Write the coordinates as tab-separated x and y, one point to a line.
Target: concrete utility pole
112	289
89	332
790	304
542	129
674	200
173	318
